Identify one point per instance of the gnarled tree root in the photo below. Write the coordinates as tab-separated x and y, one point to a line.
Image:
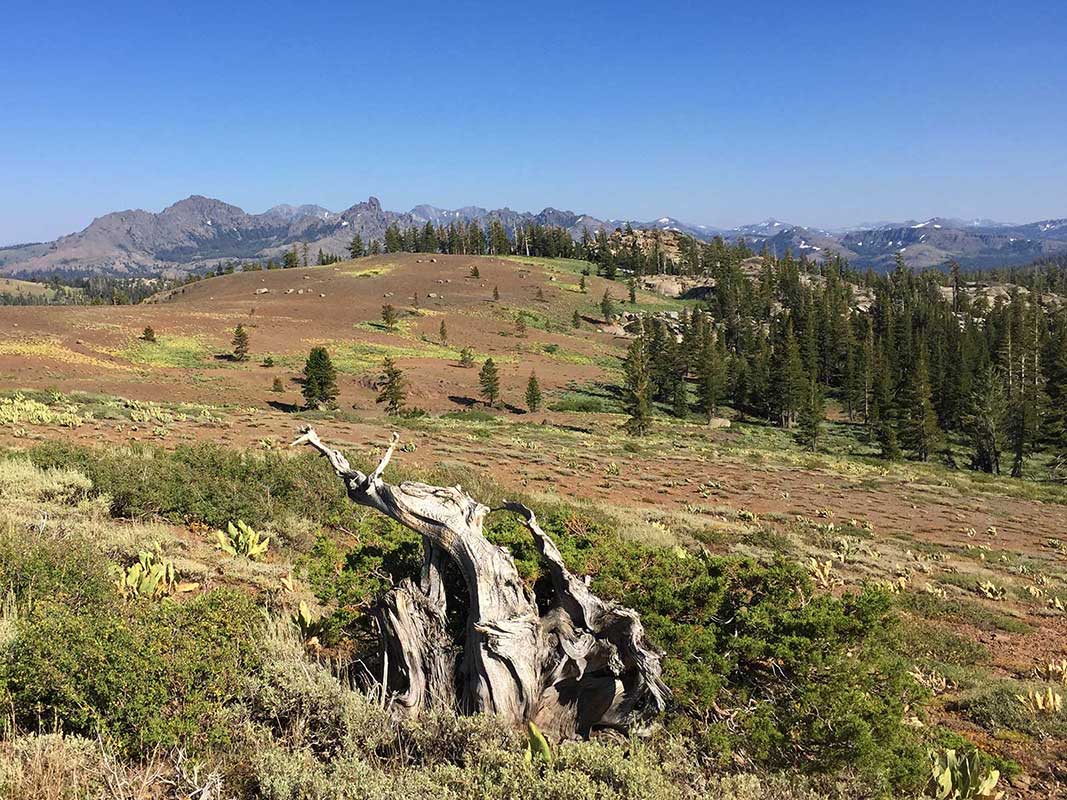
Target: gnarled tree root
582	665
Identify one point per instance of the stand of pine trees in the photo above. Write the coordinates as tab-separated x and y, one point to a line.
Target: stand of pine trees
909	355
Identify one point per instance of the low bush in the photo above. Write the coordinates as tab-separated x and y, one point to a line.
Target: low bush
141	674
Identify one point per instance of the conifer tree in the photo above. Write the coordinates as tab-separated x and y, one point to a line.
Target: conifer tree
466	358
679	397
632	288
389	316
984	420
489	380
391	387
443	333
711	375
355	247
533	393
520	325
1027	404
811	415
789	377
607	306
581	284
240	343
496	293
474	272
637	397
277	386
576	320
320	379
920	433
883	421
148	334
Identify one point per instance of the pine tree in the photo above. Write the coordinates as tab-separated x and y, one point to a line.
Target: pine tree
355	247
389	316
466	358
920	433
391	387
1027	403
576	320
489	380
811	415
711	376
474	272
790	380
533	393
637	396
496	293
581	284
883	421
320	379
679	396
277	386
520	325
984	420
632	287
240	343
443	333
148	334
607	306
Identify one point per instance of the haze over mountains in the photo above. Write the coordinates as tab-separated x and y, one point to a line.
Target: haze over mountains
199	232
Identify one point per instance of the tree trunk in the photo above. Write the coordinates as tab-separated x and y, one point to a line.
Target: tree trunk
583	665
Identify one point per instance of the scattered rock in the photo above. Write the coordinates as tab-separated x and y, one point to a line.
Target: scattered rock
263	290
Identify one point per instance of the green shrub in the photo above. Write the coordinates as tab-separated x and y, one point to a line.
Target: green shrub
143	675
579	404
207	483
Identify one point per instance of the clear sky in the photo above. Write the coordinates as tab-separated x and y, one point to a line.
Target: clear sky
821	113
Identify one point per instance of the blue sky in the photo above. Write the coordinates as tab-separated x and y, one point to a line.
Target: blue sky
820	113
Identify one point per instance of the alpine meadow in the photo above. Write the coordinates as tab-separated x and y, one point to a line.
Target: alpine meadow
462	502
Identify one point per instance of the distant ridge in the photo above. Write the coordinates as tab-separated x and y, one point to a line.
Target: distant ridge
199	232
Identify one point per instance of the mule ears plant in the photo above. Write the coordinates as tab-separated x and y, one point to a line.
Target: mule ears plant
959	776
242	540
537	746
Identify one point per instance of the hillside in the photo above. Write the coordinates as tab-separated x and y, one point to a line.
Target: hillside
932	592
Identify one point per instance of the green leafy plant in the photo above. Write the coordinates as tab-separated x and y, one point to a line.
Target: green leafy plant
960	776
537	747
311	627
242	540
151	576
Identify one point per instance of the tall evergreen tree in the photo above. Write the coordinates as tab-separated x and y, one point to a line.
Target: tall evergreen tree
489	380
920	433
637	394
320	379
711	376
391	387
789	376
355	247
985	420
812	413
533	393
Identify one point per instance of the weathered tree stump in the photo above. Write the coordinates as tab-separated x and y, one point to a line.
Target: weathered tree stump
582	665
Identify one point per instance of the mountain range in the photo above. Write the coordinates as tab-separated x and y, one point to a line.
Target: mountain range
199	232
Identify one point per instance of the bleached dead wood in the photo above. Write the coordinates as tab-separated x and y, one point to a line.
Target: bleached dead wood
582	665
